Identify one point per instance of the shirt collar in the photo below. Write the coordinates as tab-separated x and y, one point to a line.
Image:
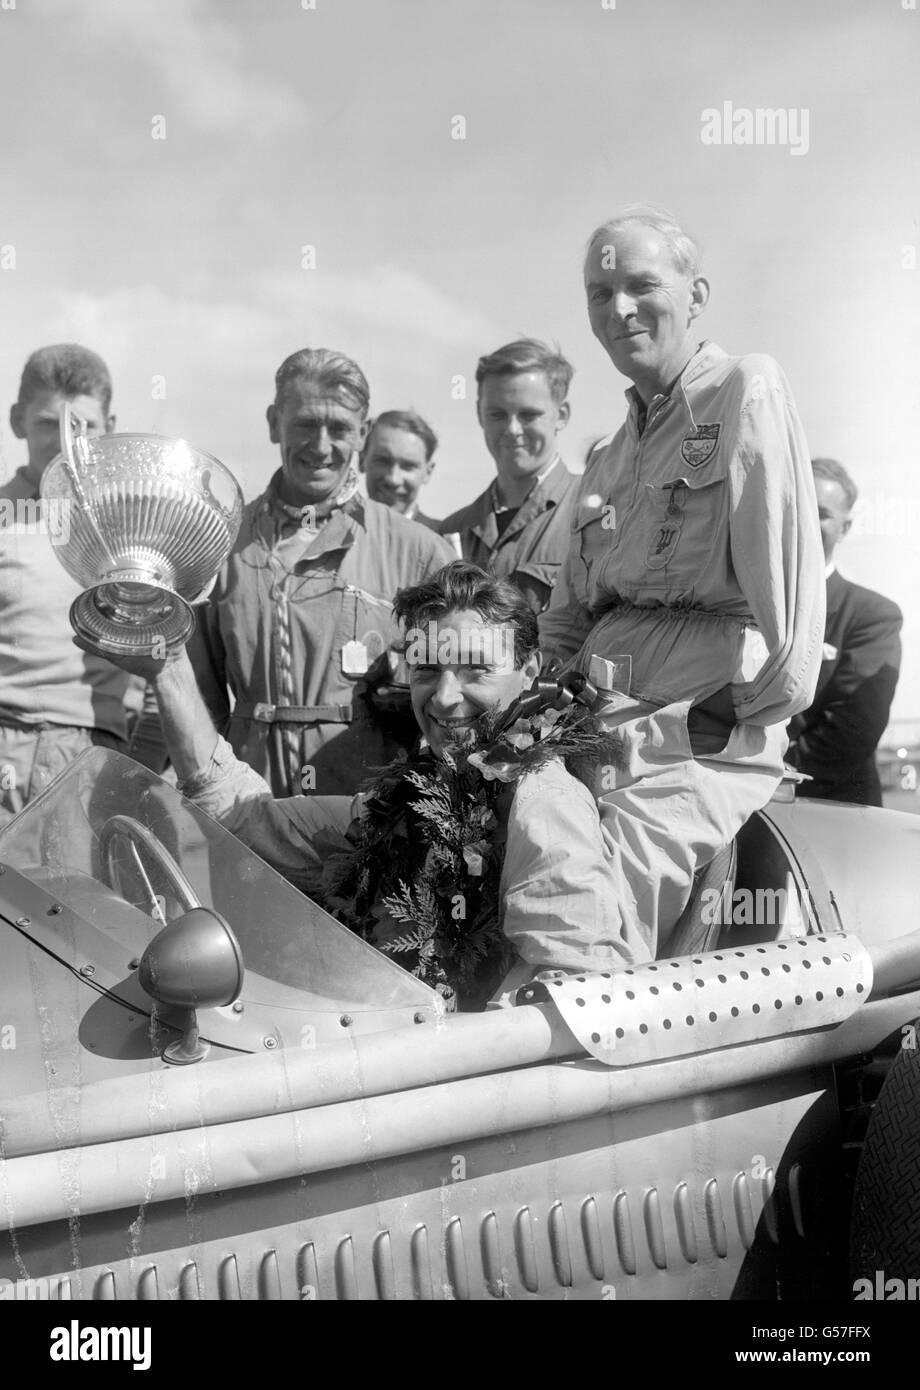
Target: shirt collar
830	568
703	358
498	505
20	486
301	516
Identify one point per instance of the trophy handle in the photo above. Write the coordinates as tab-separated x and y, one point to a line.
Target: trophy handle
72	447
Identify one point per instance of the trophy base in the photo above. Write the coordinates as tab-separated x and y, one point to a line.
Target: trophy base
124	618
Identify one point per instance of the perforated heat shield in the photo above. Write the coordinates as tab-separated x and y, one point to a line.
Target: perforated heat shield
670	1008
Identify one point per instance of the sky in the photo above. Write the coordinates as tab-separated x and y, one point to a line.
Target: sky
167	162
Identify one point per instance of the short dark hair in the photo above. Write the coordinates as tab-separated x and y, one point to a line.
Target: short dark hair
332	371
462	585
410	421
836	473
69	369
528	355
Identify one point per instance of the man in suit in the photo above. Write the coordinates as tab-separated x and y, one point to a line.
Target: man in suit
834	741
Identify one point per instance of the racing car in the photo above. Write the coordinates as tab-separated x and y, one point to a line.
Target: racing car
212	1089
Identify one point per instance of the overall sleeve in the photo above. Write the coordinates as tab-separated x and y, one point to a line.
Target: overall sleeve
566	623
776	547
560	908
280	831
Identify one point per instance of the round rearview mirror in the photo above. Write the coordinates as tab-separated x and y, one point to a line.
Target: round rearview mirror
194	962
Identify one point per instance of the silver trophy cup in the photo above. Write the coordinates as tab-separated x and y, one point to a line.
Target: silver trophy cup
148	522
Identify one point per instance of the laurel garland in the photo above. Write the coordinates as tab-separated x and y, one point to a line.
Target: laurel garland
418	873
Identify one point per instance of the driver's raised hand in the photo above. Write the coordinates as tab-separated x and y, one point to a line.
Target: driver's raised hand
149	668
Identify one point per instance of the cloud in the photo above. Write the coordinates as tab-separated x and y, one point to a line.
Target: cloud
384	305
202	61
217	352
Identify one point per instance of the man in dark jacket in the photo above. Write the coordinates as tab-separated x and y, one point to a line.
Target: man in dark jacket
519	528
834	741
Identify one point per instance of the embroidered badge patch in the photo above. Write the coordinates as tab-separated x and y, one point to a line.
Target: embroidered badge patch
666	529
698	448
662	544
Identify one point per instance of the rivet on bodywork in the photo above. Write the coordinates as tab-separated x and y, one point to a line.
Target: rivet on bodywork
419	1017
238	1006
23	921
345	1020
269	1042
87	969
134	963
54	909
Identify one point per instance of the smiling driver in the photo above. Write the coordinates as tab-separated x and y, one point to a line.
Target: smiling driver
517	864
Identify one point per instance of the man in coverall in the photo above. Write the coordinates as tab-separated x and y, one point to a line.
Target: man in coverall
693	591
518	528
302	608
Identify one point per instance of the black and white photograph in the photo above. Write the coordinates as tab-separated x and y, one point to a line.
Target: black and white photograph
459	710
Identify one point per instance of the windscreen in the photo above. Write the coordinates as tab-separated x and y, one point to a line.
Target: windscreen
109	824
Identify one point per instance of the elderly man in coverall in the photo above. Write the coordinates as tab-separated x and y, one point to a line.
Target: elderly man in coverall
693	591
302	608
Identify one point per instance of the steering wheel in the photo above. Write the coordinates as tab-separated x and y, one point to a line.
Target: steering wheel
138	836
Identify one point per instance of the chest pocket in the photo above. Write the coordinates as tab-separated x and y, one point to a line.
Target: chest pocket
537	579
593	528
684	519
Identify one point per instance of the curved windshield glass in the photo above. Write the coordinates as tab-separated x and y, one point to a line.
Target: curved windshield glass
126	852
